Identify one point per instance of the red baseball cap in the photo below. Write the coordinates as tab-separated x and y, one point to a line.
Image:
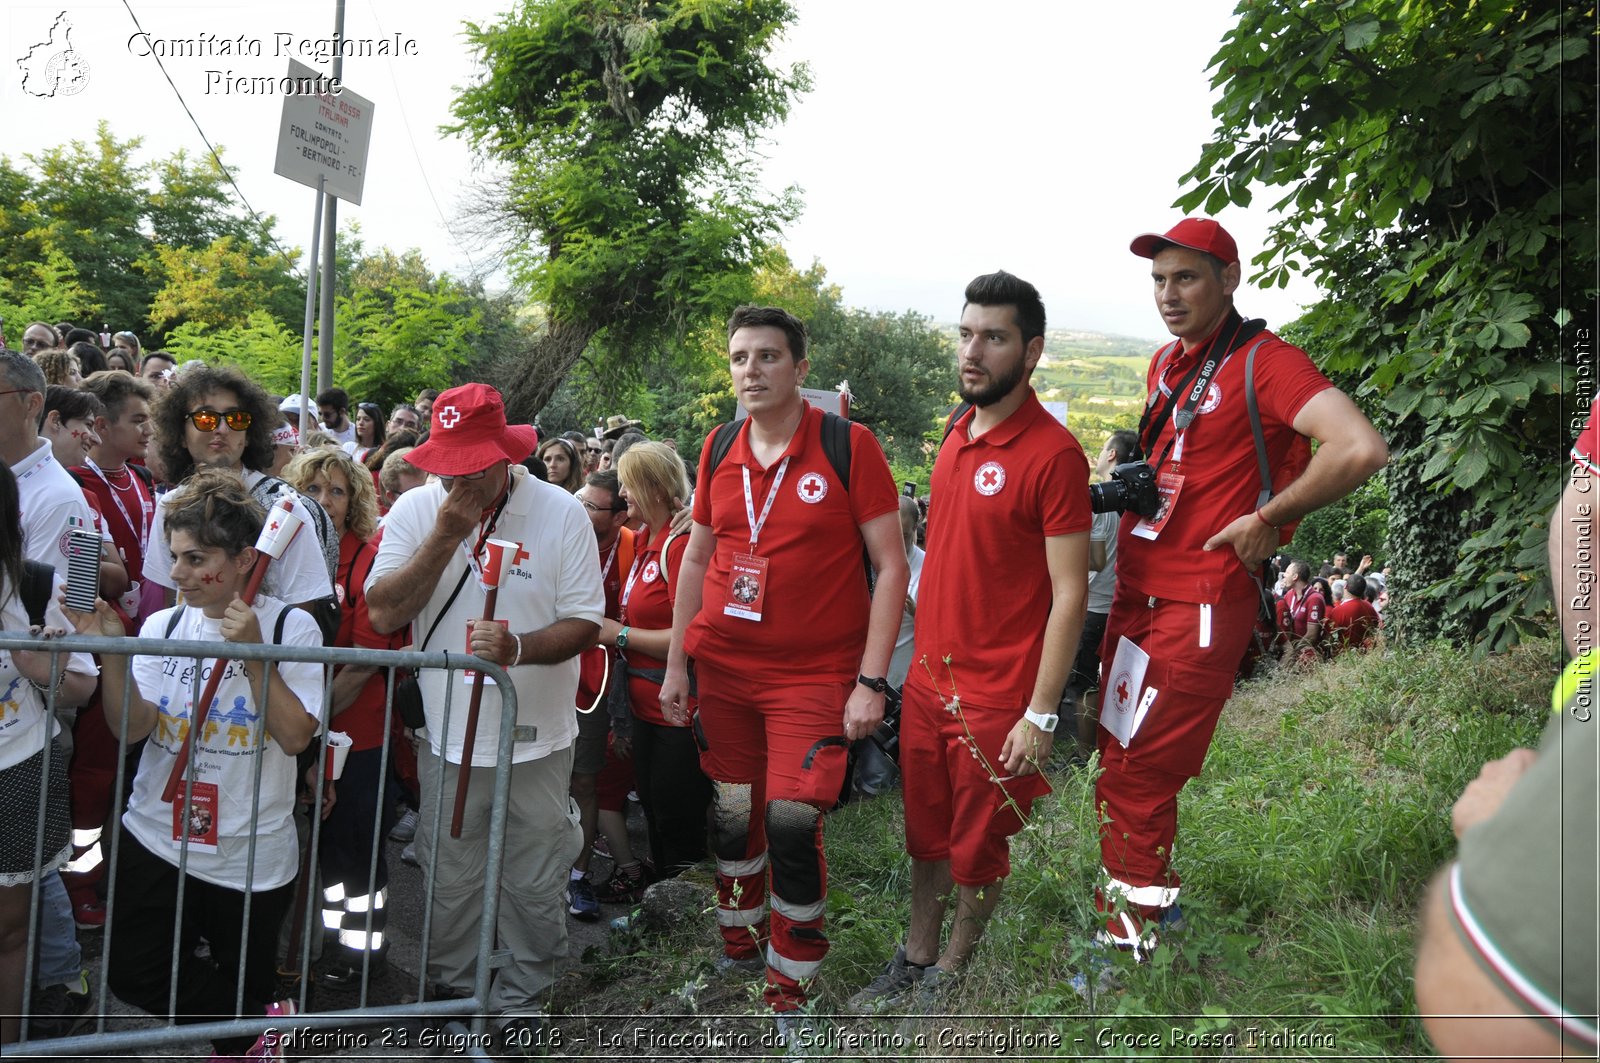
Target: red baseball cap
1197	234
469	433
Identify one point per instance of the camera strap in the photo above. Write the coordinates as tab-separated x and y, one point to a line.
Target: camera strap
1180	406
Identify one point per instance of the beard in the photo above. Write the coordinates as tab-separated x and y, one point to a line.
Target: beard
996	389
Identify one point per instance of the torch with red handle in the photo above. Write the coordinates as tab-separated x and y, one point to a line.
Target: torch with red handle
277	533
501	555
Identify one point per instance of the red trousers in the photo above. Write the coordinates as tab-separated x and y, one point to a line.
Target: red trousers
1194	652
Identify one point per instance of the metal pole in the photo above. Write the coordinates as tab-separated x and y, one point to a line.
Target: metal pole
311	309
330	233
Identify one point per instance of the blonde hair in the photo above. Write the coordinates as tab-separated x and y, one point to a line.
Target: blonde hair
57	364
656	470
389	476
362	516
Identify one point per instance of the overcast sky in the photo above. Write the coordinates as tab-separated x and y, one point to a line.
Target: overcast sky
942	139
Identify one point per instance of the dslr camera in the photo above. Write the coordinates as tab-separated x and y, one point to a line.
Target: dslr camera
1132	486
887	734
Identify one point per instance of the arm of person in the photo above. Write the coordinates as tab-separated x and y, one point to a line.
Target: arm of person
1067	559
551	644
114	674
863	710
1097	555
1465	1013
1349	451
690	592
652	642
40	668
347	684
397	596
288	722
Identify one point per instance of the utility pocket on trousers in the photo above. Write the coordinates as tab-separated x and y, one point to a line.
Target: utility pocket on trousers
822	772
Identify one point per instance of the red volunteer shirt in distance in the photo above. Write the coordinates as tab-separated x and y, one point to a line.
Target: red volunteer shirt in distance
1586	451
1221	478
129	522
985	592
363	720
1352	622
649	608
1306	609
814	620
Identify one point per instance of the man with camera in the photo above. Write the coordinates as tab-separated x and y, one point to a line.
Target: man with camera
1001	607
1226	431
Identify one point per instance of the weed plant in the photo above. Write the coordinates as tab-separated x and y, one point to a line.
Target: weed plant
1305	848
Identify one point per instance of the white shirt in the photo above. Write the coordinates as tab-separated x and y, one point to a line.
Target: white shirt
1103	584
900	660
300	575
49	496
22	705
557	580
226	754
347	434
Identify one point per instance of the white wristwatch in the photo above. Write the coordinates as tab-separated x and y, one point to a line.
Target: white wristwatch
1040	720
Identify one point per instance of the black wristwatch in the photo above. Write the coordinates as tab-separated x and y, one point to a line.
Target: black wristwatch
879	685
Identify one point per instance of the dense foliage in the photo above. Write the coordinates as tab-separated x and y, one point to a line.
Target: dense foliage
627	133
1438	166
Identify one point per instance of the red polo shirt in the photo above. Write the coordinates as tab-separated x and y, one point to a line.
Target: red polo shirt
985	592
648	597
1221	479
814	615
1353	622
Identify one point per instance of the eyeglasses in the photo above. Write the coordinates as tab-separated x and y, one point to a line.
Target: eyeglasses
603	509
480	474
207	419
18	391
593	450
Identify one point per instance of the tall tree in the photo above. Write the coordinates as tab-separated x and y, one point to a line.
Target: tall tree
1439	162
627	131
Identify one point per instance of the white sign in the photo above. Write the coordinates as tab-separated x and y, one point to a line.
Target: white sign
1058	410
325	133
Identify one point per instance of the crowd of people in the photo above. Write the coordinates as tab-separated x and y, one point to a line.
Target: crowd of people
740	648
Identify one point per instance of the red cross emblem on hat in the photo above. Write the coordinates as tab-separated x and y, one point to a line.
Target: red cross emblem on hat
812	487
448	416
990	477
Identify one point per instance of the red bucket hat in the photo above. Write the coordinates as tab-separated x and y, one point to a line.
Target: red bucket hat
1197	234
469	433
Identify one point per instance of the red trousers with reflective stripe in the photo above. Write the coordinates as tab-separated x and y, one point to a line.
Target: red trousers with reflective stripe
1192	670
774	738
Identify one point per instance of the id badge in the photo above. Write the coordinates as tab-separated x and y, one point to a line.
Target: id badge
468	673
747	587
197	820
1168	484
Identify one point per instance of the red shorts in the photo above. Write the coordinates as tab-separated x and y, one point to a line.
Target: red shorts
786	738
614	781
954	810
1194	655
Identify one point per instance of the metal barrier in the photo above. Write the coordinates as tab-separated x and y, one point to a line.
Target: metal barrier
103	1041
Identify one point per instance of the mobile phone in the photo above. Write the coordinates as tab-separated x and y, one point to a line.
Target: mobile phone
83	569
910	489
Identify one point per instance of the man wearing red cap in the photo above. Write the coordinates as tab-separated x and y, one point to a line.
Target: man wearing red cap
1188	571
429	573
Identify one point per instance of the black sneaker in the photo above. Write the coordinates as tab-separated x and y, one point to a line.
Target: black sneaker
581	901
59	1010
891	989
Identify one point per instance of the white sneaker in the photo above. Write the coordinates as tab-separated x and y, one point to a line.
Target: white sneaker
406	829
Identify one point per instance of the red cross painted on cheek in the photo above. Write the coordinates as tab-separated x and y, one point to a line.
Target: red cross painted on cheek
208	578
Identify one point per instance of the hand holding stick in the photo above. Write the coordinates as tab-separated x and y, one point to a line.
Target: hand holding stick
501	556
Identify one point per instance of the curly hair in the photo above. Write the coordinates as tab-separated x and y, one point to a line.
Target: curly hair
58	364
217	509
171	415
362	516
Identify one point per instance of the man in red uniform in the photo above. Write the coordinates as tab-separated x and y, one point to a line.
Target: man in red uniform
790	652
1187	591
1010	507
1304	616
1353	621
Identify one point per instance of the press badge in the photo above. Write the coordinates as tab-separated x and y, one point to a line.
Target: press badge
747	587
197	820
1168	484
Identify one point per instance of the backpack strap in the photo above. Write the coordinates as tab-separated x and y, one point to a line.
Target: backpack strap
350	574
1263	465
277	629
38	580
172	621
462	582
144	474
836	445
955	415
721	442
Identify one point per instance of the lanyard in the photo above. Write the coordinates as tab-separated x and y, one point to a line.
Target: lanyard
605	569
627	588
141	531
1193	387
487	530
750	506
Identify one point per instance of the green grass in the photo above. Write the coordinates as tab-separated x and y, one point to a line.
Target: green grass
1305	848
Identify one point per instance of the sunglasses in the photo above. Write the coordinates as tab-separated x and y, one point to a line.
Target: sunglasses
593	450
207	419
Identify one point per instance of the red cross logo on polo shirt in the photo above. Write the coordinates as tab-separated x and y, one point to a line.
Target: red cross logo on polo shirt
650	572
812	487
990	477
448	416
520	556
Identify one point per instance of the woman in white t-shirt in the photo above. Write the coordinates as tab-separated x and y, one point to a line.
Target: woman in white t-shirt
233	847
27	730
